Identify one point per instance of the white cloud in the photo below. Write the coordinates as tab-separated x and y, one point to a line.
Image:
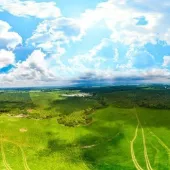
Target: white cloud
166	61
54	33
79	63
152	5
34	70
123	23
6	58
50	35
126	66
90	59
116	55
8	39
130	76
32	8
140	57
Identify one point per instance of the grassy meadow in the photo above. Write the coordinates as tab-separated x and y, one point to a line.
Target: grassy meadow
111	128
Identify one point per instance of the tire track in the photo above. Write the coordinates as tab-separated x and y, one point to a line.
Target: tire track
148	165
24	159
138	167
162	144
4	158
23	154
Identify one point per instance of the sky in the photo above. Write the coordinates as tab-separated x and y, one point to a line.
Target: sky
67	42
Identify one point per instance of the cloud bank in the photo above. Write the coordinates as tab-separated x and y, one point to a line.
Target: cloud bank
117	41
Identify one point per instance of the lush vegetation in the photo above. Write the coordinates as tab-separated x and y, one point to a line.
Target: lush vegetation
112	128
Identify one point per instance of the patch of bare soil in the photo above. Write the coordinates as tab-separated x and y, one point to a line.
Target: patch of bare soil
23	130
21	116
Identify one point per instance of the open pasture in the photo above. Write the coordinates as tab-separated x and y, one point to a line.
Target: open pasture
116	128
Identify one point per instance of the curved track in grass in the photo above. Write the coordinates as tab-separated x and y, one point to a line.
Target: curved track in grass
138	167
23	154
6	165
147	161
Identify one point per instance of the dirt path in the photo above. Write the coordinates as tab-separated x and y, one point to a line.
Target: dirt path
24	159
148	165
162	144
23	154
138	167
4	158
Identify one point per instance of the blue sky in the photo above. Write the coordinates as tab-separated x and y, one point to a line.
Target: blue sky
47	42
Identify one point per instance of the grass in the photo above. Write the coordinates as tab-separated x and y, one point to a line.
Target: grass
84	133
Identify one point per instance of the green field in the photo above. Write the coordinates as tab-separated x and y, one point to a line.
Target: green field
112	128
